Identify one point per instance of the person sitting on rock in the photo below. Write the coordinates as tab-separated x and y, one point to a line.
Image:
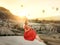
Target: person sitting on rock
30	33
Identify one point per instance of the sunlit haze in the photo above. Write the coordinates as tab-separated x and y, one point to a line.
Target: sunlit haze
32	8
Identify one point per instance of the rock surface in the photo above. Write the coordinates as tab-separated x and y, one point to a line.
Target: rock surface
18	40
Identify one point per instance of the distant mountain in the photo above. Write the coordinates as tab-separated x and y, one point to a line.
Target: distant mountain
9	24
6	14
56	18
53	18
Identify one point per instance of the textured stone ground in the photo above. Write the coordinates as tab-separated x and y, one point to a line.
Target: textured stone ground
17	40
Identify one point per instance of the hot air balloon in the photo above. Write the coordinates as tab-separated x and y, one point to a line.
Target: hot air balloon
43	11
21	5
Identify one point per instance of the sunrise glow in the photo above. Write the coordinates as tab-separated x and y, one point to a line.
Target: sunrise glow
32	8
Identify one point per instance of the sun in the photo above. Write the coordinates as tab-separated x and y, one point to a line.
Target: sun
23	13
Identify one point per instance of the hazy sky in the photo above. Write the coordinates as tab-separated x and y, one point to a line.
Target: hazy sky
32	8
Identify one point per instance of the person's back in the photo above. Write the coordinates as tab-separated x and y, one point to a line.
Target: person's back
29	34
